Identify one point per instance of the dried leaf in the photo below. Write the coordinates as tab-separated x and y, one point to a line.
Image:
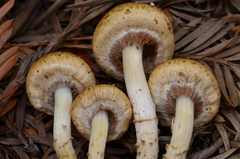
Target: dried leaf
193	35
235	18
235	144
224	135
57	4
186	8
7	54
20	112
10	141
90	3
225	154
185	30
232	119
7	66
80	46
182	15
236	4
6	8
230	86
215	49
20	152
4	37
228	52
233	58
56	24
21	17
213	28
235	69
219	119
41	140
5	26
213	39
8	107
221	81
205	153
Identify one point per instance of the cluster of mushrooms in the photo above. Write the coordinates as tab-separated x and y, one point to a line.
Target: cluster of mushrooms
132	42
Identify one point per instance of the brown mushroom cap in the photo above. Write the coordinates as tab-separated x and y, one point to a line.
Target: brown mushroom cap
102	97
178	77
133	23
53	71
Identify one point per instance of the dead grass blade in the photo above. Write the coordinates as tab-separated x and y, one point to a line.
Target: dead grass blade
225	154
193	35
6	8
5	26
230	85
7	66
4	37
221	81
224	135
7	54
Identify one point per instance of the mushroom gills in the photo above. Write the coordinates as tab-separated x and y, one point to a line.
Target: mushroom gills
182	127
62	123
99	134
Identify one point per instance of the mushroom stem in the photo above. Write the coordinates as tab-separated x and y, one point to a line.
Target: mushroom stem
145	118
99	134
62	124
181	129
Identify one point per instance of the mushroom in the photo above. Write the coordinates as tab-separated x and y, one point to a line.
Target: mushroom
134	38
52	83
187	95
101	113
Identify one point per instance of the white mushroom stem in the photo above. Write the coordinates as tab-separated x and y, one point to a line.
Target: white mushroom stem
99	134
62	124
181	129
145	118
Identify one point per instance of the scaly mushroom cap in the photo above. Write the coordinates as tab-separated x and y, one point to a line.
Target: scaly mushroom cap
133	23
53	71
102	97
187	77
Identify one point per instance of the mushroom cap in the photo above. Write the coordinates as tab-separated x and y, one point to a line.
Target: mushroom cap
177	77
132	23
53	71
102	97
